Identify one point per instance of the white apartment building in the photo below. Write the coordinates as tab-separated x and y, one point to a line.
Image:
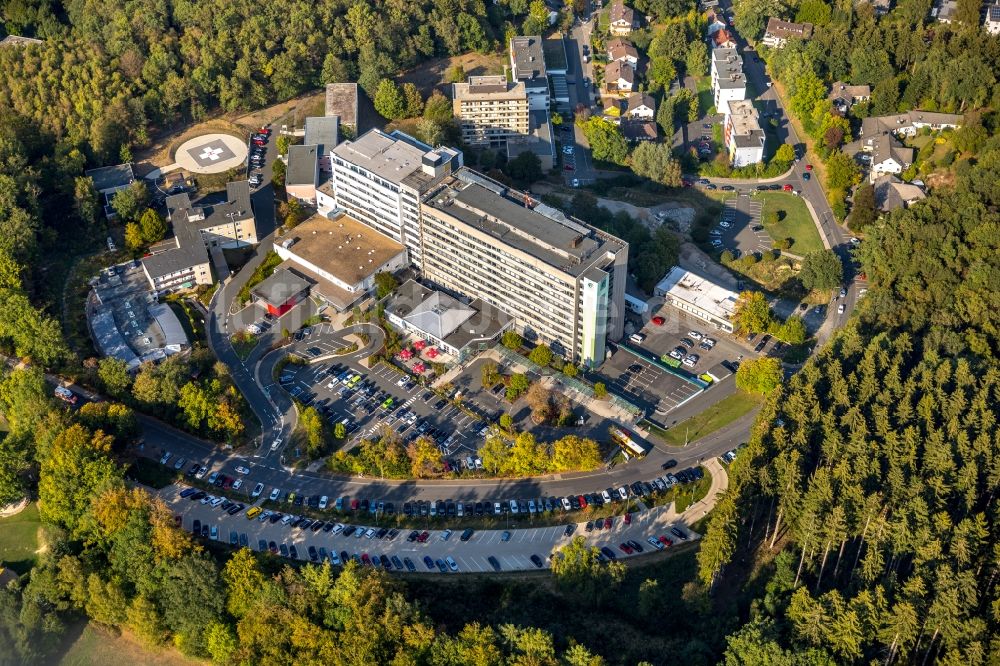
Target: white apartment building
527	62
729	83
699	296
743	134
490	110
379	178
562	281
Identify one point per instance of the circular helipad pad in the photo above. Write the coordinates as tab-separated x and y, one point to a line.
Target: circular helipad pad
211	153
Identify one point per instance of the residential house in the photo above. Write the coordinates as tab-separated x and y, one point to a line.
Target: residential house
639	130
621	19
640	107
722	39
302	172
714	23
909	123
881	7
527	62
944	10
490	109
620	50
843	95
619	77
108	181
992	23
778	32
892	193
743	135
888	156
729	83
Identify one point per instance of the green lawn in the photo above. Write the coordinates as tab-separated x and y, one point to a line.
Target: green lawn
151	473
19	539
99	647
718	415
797	224
706	99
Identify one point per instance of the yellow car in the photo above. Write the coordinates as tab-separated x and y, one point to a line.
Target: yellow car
254	512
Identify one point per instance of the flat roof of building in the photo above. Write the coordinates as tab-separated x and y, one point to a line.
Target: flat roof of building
302	165
554	50
528	56
344	247
483	88
280	286
699	292
111	177
746	128
538	141
342	101
536	229
181	256
387	156
323	131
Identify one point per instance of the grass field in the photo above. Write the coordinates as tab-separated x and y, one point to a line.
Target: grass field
19	539
715	417
797	223
97	647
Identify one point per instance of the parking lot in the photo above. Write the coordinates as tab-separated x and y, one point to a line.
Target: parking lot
368	400
511	549
646	385
740	229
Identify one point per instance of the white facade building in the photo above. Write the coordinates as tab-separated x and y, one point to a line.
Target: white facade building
729	83
699	296
743	134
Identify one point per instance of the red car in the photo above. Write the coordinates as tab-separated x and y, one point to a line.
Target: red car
227	483
666	542
354	504
424	536
608	523
366	560
658	320
582	500
625	548
259	142
628	518
809	167
569	167
265	130
787	187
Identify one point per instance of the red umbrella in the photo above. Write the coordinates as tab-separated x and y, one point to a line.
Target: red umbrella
406	354
419	344
419	367
432	352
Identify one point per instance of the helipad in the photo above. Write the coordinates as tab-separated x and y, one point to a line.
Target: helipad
212	153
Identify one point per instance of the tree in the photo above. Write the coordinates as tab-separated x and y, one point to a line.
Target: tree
133	237
517	386
841	171
340	430
785	153
511	340
414	101
495	455
425	458
539	399
430	132
455	74
525	168
245	584
600	390
575	453
655	161
792	331
153	227
114	376
864	209
86	202
278	173
438	108
506	422
385	284
665	116
13	464
130	202
389	101
760	375
489	374
696	60
752	313
528	457
821	269
312	427
606	140
541	355
577	568
282	144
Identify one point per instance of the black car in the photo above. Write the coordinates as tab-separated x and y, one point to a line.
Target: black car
467	534
235	509
670	464
283	549
386	564
679	534
204	531
440	404
537	561
293	552
200	495
382	531
397	563
273	547
305	524
298	500
196	527
194	469
570	529
275	517
318	525
407	509
412	536
494	562
393	533
344	557
698	472
328	527
349	530
636	546
409	565
479	508
313	555
261	545
608	553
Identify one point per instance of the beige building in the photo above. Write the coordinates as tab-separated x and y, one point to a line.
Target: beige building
562	281
490	109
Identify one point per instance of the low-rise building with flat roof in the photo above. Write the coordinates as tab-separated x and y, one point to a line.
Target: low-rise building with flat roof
340	256
281	291
538	140
108	181
302	173
342	101
743	134
324	133
699	296
527	61
457	327
490	109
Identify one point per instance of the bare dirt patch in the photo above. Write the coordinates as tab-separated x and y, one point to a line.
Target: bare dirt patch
429	76
161	152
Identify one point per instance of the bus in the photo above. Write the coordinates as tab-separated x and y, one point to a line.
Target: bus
628	442
672	362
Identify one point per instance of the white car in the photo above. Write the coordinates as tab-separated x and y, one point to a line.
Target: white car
840	309
565	504
575	182
451	563
674	354
264	515
323	501
287	519
207	498
217	501
607	497
237	484
370	533
242	470
257	490
338	528
445	535
275	494
275	444
623	492
655	543
202	471
695	335
724	224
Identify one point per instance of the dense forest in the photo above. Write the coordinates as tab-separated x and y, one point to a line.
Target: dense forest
869	481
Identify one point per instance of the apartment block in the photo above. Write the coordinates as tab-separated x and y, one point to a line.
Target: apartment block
379	179
490	110
743	134
561	280
527	62
729	83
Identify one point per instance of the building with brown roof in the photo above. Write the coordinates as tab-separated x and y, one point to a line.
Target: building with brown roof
621	18
619	77
619	49
778	32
